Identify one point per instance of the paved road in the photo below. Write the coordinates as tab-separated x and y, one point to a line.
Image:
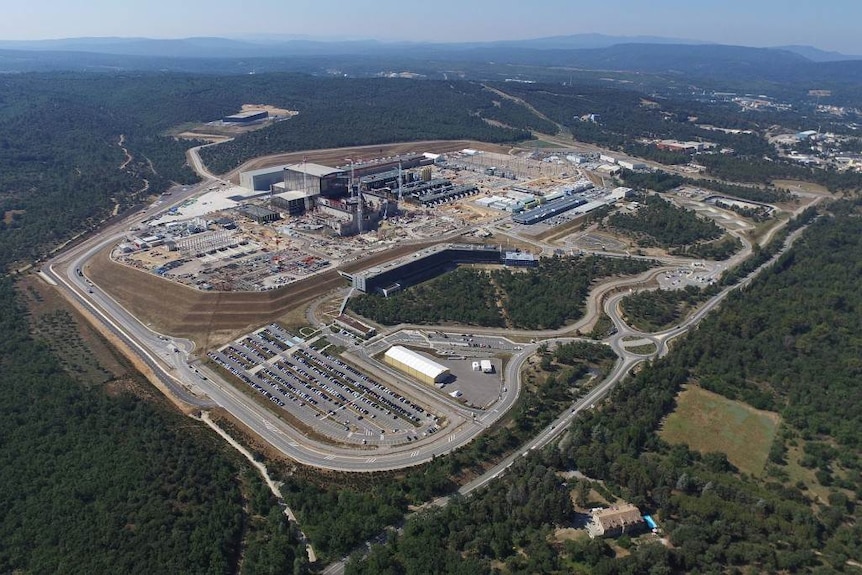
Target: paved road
171	361
170	358
623	366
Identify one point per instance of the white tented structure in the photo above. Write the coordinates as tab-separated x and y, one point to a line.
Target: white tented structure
415	364
487	366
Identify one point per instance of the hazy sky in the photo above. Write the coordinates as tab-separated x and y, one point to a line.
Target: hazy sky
826	24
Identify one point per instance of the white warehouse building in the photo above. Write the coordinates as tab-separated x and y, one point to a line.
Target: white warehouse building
415	365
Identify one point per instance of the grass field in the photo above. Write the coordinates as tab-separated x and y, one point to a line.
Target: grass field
707	422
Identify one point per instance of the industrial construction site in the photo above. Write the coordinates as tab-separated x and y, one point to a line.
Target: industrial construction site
286	223
256	269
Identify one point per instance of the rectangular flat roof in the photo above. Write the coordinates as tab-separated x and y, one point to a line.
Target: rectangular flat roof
291	195
316	170
257	211
249	114
423	253
523	256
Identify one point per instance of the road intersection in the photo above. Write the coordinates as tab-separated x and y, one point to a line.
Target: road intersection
172	362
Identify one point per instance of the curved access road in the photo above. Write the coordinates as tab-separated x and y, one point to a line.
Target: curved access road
170	360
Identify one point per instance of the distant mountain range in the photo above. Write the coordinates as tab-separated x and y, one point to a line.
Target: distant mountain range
817	55
272	47
664	60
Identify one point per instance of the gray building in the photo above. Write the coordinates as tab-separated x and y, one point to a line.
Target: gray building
246	117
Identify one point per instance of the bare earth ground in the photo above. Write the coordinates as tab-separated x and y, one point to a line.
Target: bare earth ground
208	318
9	216
203	136
707	422
44	303
796	185
267	108
338	156
211	319
220	133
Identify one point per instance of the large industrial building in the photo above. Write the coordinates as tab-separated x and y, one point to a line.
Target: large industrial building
246	117
549	210
311	178
406	161
421	266
315	179
416	365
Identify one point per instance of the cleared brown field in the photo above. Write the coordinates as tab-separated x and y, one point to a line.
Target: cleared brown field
208	318
213	318
706	422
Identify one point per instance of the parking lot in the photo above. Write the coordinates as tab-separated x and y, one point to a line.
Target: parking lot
323	392
458	351
473	388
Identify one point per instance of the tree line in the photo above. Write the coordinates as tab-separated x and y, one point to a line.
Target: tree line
714	518
657	222
545	297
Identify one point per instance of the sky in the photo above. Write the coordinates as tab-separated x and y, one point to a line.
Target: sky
825	24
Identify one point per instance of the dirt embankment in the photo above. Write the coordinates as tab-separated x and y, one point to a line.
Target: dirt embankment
213	318
208	318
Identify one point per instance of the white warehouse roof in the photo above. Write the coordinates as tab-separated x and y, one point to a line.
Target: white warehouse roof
417	361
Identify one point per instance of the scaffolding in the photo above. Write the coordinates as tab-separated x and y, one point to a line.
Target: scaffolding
206	242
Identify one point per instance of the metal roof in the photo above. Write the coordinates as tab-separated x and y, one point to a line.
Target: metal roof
248	114
417	361
316	170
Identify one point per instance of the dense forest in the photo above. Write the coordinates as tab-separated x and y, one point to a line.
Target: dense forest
714	517
97	475
98	482
545	297
656	310
340	511
625	117
657	222
347	112
97	478
62	167
660	181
